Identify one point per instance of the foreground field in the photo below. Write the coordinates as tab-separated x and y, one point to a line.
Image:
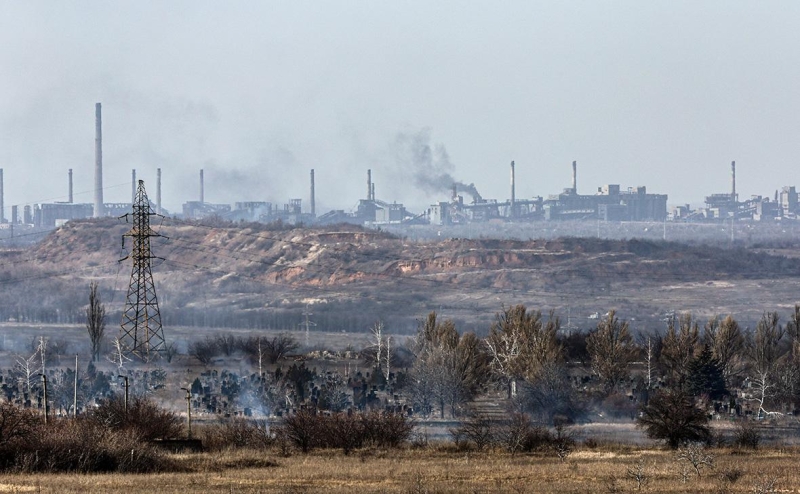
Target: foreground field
441	471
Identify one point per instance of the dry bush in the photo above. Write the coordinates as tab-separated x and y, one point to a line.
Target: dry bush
747	435
478	430
385	429
639	474
238	432
303	430
348	431
16	424
148	420
84	446
563	442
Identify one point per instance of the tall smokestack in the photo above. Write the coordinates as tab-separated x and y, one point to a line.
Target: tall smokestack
158	191
513	189
202	187
2	199
313	197
372	192
133	186
98	162
574	177
733	181
369	185
70	186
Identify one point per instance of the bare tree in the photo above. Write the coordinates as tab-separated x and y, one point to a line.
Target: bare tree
95	321
118	356
204	350
26	370
279	347
522	345
612	349
726	340
764	353
679	347
377	334
449	369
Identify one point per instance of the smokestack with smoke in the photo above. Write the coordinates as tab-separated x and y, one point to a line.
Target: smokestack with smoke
98	161
202	187
70	186
133	186
2	199
733	181
513	191
313	196
431	167
158	191
574	177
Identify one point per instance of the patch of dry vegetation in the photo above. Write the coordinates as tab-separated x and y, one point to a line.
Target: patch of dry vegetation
439	470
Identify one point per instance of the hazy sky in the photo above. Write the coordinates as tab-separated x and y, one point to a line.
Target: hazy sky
662	94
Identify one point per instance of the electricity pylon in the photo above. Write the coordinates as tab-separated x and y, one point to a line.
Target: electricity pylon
141	333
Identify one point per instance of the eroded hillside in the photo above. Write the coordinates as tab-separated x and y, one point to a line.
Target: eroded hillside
264	276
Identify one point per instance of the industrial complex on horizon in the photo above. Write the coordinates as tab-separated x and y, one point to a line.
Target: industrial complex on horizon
607	203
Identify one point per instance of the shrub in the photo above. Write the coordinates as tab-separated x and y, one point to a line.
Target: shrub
478	430
348	431
672	416
746	435
144	418
238	432
83	446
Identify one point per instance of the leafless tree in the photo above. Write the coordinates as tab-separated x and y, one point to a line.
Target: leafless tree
726	340
118	356
261	348
377	334
638	473
449	368
764	353
170	350
612	349
204	350
522	345
226	343
696	456
26	370
95	321
679	347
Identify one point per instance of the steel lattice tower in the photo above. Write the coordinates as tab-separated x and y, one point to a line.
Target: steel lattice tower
141	333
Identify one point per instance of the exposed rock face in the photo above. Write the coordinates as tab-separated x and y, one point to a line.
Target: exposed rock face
253	267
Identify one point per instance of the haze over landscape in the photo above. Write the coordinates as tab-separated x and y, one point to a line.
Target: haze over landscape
661	94
573	265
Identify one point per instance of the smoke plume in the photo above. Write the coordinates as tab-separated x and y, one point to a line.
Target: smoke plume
430	166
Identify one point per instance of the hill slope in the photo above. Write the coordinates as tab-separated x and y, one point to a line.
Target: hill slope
259	276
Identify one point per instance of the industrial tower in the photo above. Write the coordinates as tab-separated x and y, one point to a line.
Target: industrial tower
141	333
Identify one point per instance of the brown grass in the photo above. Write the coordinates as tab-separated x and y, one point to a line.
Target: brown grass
432	471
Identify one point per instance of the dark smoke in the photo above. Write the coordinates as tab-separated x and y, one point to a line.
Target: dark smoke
430	166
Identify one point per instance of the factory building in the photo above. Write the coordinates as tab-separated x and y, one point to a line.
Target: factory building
609	204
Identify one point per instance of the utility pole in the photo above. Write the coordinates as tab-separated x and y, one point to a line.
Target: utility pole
44	385
189	409
75	391
126	393
141	333
308	323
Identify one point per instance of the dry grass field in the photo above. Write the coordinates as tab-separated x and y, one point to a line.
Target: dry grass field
439	470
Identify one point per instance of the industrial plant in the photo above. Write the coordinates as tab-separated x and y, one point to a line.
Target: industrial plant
609	202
